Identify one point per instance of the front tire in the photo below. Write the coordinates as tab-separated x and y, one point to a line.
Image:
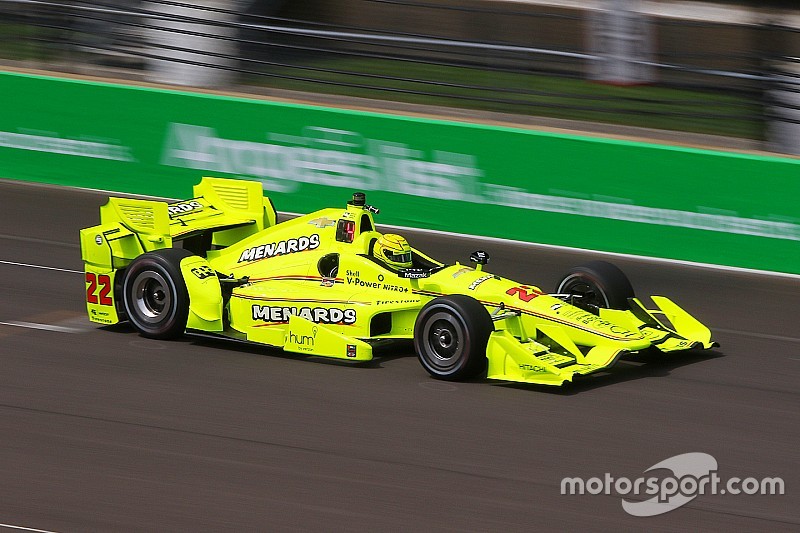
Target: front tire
450	337
598	284
155	295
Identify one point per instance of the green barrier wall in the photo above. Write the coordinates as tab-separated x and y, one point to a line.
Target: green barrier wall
652	200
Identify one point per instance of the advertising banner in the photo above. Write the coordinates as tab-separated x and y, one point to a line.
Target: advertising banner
619	196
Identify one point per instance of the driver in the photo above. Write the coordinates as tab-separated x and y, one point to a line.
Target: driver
394	251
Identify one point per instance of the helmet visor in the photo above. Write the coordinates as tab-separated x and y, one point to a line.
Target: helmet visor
398	258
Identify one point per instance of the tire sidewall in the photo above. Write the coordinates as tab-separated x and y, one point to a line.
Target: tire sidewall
612	283
165	263
474	327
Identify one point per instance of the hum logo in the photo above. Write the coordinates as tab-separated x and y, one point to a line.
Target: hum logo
303	340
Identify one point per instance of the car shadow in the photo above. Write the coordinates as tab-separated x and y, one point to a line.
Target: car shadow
381	352
651	364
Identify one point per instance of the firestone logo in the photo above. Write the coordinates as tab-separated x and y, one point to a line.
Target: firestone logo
692	474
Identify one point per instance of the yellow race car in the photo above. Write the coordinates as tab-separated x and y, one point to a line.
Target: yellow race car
329	284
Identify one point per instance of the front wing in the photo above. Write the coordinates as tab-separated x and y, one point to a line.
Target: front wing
549	357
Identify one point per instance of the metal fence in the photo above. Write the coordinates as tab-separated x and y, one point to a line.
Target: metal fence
734	79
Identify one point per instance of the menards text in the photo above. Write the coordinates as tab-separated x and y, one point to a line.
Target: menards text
272	249
320	315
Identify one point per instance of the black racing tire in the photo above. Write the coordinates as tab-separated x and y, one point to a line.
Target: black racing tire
154	294
599	284
450	337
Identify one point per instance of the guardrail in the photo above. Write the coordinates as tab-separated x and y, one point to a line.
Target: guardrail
618	196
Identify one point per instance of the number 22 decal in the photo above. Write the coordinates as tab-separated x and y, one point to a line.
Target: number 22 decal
93	296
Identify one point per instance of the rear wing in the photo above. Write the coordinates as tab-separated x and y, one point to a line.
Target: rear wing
222	212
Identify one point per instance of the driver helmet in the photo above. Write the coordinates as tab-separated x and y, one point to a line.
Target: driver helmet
394	251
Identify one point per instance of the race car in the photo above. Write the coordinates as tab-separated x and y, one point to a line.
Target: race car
329	284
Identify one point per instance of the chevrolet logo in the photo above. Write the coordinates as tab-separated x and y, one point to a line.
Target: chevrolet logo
322	222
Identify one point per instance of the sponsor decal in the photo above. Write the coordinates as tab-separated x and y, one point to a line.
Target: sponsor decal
351	350
184	207
387	302
98	239
589	319
288	246
322	222
474	284
531	368
396	288
319	315
203	272
353	277
303	342
415	273
363	283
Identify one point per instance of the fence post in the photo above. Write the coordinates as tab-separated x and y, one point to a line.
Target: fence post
190	59
621	37
783	129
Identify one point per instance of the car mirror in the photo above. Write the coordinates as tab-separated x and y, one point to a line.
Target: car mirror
480	257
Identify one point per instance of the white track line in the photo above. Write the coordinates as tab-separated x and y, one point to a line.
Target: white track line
13	263
758	335
23	528
46	327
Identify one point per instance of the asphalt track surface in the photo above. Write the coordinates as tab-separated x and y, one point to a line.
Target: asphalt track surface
103	430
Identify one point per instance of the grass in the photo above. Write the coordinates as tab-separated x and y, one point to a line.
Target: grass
23	42
650	106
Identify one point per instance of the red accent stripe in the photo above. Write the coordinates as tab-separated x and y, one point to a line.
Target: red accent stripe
303	300
298	278
539	315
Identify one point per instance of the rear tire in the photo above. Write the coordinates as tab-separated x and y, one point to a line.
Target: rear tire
154	294
450	337
598	284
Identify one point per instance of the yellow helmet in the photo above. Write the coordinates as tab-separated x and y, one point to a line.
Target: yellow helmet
394	251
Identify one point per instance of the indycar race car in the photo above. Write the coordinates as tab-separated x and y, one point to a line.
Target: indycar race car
329	284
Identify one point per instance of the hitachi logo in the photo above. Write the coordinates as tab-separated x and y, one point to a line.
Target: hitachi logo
289	246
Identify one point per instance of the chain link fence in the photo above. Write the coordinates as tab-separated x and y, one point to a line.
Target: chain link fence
736	76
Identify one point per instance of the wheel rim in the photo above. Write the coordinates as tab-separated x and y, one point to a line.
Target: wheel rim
152	298
588	292
443	341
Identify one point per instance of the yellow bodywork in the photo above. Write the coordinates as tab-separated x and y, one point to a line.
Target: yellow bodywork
311	286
